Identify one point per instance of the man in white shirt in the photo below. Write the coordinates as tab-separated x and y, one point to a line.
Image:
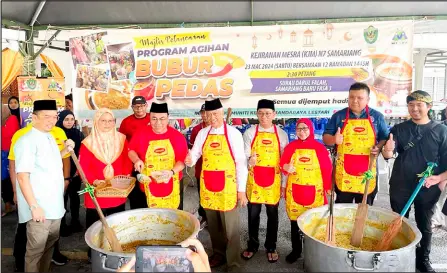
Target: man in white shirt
40	195
264	145
223	182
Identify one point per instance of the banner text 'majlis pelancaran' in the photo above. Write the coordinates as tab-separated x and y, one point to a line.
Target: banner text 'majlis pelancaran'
167	40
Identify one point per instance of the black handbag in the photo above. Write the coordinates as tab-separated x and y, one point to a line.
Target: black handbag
413	143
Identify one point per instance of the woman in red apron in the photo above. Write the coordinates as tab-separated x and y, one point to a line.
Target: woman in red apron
308	167
103	155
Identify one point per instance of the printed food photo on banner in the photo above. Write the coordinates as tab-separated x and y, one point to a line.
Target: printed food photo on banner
88	50
92	78
118	97
305	69
121	60
145	88
33	88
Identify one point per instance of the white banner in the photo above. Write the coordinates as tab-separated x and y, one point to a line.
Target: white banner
306	69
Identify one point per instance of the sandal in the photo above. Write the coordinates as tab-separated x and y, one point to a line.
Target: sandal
249	256
272	256
216	260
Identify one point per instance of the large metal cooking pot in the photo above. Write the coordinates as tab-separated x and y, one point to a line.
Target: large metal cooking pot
135	225
320	257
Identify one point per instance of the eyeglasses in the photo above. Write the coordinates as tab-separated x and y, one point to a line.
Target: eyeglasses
214	114
304	129
139	106
154	120
261	114
107	121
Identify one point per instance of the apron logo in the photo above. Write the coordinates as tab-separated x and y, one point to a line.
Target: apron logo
214	145
159	150
266	141
304	159
359	129
150	166
229	176
348	144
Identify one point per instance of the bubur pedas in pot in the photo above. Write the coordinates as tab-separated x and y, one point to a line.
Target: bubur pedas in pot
138	227
320	257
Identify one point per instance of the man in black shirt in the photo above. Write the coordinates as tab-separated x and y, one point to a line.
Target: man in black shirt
417	142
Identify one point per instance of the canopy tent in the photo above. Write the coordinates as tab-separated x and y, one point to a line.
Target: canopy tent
48	16
159	14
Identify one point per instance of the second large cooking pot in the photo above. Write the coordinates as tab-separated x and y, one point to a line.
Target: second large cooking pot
320	257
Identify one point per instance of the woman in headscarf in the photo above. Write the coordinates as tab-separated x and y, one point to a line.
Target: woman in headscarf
66	122
308	166
10	125
103	155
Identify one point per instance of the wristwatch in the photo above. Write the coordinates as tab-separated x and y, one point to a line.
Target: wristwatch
67	179
173	172
33	207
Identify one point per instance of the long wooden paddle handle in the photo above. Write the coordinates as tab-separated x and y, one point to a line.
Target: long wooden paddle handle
372	159
84	179
229	111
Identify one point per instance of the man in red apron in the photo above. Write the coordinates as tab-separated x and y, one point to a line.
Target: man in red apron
158	152
264	144
222	183
358	131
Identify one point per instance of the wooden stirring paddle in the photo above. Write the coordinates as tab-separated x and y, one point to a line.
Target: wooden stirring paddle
330	227
110	233
395	227
362	209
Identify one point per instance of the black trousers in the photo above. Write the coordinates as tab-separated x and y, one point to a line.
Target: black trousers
7	192
296	237
347	197
75	202
423	212
91	216
20	247
254	212
201	211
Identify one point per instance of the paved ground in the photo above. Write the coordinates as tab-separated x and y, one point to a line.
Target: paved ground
75	248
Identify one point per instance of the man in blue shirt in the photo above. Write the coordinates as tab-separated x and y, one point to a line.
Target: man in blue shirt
40	188
358	132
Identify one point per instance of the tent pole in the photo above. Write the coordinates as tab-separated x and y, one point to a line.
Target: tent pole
37	13
251	23
47	43
20	26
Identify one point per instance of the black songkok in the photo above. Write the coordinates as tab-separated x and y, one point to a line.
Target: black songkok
159	108
44	105
267	104
213	105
